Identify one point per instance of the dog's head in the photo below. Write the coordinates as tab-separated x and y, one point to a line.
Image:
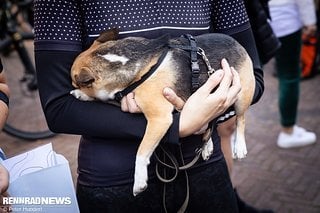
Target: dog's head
110	65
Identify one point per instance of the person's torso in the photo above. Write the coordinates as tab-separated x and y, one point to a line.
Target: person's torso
77	23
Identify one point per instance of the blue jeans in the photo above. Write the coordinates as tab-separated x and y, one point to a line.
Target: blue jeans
210	191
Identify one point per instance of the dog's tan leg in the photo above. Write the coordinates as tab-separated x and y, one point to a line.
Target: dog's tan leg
239	148
158	112
241	105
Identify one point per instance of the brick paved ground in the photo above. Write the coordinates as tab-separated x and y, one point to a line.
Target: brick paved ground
284	180
287	181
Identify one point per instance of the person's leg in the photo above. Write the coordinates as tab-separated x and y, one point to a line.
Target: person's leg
289	74
288	69
210	189
225	131
118	199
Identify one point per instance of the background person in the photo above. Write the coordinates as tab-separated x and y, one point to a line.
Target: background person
289	19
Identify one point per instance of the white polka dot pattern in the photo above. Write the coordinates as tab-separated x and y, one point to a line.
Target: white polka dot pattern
71	21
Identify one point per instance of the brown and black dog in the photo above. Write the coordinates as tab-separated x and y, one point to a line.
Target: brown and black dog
111	65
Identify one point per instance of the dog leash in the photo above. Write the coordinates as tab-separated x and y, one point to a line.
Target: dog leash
175	166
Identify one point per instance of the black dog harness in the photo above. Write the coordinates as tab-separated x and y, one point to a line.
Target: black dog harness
194	52
119	95
195	68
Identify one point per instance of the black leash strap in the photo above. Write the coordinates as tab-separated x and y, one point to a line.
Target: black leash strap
119	95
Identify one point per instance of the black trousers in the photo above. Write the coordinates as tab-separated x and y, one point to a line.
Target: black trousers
210	190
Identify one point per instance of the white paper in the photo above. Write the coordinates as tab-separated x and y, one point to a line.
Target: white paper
31	161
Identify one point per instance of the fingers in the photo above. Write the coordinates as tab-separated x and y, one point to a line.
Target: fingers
128	104
310	30
226	80
235	86
172	97
229	86
212	82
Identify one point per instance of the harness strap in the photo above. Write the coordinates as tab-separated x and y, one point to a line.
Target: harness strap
195	68
119	95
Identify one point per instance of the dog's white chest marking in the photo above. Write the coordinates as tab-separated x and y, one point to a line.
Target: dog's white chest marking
115	58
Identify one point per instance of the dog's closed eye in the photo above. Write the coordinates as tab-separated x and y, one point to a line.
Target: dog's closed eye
85	78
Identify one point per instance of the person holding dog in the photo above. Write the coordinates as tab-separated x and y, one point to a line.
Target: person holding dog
111	135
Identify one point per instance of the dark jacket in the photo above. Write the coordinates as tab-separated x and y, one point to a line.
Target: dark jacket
266	41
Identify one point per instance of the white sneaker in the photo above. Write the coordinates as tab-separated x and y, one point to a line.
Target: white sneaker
299	137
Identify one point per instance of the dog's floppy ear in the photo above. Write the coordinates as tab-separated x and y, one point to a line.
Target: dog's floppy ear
108	35
85	78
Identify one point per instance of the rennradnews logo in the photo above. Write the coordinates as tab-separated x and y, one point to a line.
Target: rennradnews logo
36	201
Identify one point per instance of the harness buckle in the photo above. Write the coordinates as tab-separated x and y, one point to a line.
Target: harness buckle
195	67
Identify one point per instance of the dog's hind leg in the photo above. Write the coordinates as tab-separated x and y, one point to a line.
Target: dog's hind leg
241	106
239	147
158	113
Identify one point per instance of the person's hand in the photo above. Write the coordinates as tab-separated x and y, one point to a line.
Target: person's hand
4	179
310	30
3	86
178	104
205	105
128	104
194	116
4	184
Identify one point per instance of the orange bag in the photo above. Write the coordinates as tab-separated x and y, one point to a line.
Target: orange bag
309	56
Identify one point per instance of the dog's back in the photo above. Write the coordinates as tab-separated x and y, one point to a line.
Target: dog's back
216	47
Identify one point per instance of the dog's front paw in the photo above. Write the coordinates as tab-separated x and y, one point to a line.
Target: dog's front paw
140	175
207	149
78	94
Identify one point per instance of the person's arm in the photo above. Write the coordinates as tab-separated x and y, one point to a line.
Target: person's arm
308	16
66	114
4	99
4	184
4	180
246	39
230	17
56	46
